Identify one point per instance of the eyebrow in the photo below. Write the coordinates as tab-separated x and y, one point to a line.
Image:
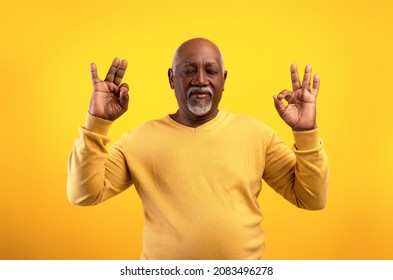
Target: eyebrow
190	63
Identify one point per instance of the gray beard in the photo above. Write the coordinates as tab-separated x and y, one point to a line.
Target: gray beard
201	108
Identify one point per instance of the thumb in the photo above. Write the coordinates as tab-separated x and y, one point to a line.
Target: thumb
124	97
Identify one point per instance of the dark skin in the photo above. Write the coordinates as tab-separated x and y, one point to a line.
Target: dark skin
300	113
110	97
198	63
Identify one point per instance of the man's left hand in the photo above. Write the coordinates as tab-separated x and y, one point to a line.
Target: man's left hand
300	112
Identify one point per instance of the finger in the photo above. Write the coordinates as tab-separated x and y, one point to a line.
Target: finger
315	85
295	78
285	94
280	107
120	72
94	75
307	77
124	97
110	76
278	103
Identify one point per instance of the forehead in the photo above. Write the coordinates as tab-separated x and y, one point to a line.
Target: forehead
198	54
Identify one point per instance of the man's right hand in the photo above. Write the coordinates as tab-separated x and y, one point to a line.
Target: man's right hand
110	97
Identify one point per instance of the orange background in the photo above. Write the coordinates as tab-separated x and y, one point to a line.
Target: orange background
45	51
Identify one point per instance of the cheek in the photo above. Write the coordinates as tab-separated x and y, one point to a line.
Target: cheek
218	83
181	85
217	98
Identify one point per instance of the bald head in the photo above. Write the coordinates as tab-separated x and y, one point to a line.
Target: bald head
195	46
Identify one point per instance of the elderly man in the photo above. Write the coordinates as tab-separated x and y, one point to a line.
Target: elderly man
199	171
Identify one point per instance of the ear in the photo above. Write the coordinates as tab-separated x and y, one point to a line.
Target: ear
170	78
225	77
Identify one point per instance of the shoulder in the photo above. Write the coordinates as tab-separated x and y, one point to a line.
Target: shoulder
249	128
245	121
143	132
148	127
246	130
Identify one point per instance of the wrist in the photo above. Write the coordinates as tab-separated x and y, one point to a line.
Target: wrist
97	125
307	139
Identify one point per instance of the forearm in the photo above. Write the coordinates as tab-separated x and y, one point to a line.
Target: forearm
300	176
90	165
311	171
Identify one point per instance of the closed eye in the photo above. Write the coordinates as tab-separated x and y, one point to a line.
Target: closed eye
212	72
189	72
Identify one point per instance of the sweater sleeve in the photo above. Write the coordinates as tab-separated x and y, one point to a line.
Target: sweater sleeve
301	176
94	173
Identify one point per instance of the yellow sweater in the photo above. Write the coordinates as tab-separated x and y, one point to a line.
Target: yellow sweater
198	186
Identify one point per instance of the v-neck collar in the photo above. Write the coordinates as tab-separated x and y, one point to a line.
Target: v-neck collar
220	115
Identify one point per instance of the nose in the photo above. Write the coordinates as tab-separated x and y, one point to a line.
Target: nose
200	79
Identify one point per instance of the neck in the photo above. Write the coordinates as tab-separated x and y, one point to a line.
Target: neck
192	120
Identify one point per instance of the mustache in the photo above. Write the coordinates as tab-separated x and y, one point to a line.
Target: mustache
205	89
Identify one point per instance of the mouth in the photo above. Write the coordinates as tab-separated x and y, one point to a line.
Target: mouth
198	95
200	92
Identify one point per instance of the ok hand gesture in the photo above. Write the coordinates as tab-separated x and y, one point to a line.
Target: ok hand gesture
300	112
110	97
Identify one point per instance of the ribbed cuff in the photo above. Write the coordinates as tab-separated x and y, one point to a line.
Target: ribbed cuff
307	140
97	125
